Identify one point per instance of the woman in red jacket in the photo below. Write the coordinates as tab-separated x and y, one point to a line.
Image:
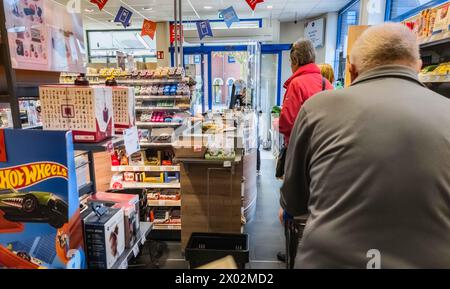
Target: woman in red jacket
305	82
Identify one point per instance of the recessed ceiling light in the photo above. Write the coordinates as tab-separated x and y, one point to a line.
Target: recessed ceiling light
207	7
147	8
269	6
88	10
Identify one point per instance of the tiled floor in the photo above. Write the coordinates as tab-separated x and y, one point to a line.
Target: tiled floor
265	232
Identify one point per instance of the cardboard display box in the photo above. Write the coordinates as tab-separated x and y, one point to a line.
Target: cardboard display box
130	205
40	219
105	238
123	105
86	110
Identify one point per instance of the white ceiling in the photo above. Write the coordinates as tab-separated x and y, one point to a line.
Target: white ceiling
162	10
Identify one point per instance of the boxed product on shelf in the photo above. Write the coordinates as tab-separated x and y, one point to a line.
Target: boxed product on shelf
104	238
123	105
137	159
162	135
165	216
86	110
39	203
130	205
163	195
153	177
171	177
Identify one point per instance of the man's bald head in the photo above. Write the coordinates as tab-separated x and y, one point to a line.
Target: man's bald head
388	43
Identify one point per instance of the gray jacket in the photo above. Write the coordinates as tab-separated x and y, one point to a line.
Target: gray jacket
371	164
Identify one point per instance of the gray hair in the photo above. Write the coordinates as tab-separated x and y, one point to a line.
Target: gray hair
384	44
303	52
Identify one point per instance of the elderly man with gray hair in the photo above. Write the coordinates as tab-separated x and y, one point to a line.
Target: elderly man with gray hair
371	163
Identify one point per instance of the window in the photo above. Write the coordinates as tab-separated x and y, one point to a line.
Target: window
347	17
105	44
403	7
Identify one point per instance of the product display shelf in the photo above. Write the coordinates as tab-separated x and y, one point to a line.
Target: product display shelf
128	254
164	203
224	162
158	124
89	149
166	227
144	144
141	82
143	185
161	97
435	41
160	108
101	146
428	78
145	168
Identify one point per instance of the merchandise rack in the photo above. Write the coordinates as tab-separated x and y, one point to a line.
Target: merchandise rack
89	149
160	231
128	254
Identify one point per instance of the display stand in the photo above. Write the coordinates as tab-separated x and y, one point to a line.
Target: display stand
89	149
129	254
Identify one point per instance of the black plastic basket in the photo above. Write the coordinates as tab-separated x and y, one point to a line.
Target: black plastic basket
204	248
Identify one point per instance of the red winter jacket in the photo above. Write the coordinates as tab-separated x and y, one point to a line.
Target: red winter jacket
304	83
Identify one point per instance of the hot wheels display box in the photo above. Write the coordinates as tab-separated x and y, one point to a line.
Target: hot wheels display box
40	223
86	110
123	104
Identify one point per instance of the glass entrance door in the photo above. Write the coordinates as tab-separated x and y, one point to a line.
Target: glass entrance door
196	67
269	95
227	67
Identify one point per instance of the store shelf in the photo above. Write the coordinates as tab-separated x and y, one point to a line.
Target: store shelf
145	168
157	145
158	124
33	127
163	203
86	189
162	108
432	42
128	254
237	159
139	185
165	227
140	82
161	97
428	78
99	147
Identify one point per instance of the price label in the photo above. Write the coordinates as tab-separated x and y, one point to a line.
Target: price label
124	265
136	250
143	239
227	164
131	139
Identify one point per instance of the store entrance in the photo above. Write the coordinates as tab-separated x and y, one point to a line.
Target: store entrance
227	67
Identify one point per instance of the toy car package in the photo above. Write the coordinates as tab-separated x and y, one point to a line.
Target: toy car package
40	224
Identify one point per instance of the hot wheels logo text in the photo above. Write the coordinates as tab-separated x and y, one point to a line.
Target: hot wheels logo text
30	174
